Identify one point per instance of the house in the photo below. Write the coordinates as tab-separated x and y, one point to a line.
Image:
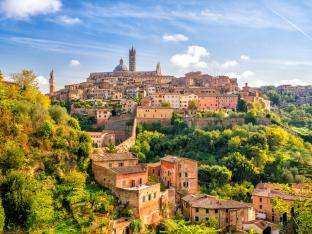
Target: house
261	226
262	199
180	173
229	214
154	114
121	173
101	139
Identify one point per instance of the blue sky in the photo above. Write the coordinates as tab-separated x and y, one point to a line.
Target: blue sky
260	42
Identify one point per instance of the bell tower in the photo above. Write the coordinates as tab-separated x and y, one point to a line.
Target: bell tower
52	83
132	59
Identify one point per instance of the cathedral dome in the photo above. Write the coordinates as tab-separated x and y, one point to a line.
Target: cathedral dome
121	66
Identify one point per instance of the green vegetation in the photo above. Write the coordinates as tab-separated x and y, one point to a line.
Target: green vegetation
44	165
232	160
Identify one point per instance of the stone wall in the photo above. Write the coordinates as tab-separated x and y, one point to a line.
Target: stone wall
129	142
194	122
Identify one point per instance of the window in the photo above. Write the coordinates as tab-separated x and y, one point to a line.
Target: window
140	181
185	174
149	197
216	211
155	194
180	174
197	210
260	207
207	211
120	164
227	210
207	218
226	220
260	199
110	165
196	219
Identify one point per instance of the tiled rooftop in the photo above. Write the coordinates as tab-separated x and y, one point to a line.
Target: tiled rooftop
129	170
211	202
113	156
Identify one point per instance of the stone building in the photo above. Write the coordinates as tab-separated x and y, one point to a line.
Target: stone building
229	214
263	196
154	114
180	173
101	139
218	102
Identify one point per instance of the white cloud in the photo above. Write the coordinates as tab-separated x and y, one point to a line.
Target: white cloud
74	62
42	81
291	82
193	57
64	19
175	37
23	9
244	57
247	74
230	63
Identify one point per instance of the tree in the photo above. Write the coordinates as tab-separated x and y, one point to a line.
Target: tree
110	148
75	180
193	105
242	105
74	123
58	114
26	202
165	104
136	226
11	157
251	117
2	216
214	176
46	130
25	79
241	168
304	217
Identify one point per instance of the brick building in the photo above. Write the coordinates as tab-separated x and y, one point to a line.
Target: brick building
229	214
263	196
101	139
179	173
154	114
218	102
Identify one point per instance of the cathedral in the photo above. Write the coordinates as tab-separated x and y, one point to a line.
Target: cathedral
124	79
122	70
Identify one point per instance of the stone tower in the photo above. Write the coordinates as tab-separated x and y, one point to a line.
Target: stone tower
52	83
132	59
158	69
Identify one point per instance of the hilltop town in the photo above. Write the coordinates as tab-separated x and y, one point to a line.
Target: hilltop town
120	101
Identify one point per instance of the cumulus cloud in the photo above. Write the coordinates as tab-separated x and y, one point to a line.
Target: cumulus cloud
42	80
244	57
244	75
74	62
291	82
230	63
175	37
247	74
26	8
193	57
64	19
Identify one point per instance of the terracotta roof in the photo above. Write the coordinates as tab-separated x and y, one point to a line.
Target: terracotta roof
262	224
272	193
173	159
113	157
211	202
157	164
129	170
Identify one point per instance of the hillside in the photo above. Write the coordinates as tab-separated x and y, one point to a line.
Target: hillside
44	161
